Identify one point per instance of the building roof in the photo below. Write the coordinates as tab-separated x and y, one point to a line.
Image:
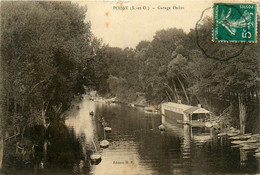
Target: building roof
196	110
186	108
177	105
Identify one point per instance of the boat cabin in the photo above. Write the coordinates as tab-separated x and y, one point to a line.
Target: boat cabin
181	113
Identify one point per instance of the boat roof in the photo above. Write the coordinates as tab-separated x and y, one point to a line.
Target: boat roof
177	105
187	108
196	110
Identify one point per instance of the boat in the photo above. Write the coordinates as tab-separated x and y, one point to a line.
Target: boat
161	128
236	146
195	116
245	141
104	144
222	134
95	157
248	148
107	129
240	137
258	150
231	134
257	155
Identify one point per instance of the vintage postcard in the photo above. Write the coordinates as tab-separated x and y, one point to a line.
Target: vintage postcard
130	87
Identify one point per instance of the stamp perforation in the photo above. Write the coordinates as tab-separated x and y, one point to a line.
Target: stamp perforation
231	24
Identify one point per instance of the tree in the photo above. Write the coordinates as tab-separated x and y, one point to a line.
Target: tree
233	79
45	46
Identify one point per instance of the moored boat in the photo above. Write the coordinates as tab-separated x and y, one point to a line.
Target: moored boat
195	116
108	129
95	157
104	144
245	141
257	155
161	128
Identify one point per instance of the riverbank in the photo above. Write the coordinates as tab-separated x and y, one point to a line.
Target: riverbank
225	114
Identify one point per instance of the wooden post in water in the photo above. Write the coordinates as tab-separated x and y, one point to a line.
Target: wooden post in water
242	114
94	145
104	134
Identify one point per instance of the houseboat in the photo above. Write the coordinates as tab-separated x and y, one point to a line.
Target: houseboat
174	113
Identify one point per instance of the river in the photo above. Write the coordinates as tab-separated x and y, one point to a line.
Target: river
138	147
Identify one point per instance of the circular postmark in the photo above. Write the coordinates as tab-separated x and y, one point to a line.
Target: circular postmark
228	34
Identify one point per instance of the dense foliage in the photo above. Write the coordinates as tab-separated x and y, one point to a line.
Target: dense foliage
45	48
172	67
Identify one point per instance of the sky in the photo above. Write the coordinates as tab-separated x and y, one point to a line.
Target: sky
126	28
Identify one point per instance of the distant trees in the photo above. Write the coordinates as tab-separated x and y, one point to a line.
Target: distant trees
117	72
172	67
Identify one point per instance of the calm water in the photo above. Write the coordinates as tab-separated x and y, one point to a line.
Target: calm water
138	147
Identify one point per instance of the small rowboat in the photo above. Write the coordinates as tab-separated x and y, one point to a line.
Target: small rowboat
161	128
248	147
232	134
246	141
222	134
250	141
258	150
241	137
104	144
257	155
107	129
95	156
236	146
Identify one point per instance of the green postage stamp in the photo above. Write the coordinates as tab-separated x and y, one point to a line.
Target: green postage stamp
234	22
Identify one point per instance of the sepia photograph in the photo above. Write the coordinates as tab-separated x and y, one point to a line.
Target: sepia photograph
129	87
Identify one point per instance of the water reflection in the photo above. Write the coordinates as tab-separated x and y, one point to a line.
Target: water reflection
137	146
186	142
58	151
82	124
64	149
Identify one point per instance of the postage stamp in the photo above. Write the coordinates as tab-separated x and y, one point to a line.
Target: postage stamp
234	22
